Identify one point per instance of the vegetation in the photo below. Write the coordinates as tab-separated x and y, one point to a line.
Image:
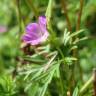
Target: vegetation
60	64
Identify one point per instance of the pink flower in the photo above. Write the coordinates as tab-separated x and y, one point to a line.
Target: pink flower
36	33
2	29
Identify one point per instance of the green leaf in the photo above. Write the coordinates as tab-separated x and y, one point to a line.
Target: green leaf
75	93
49	78
69	60
49	10
32	89
66	37
35	58
81	39
76	33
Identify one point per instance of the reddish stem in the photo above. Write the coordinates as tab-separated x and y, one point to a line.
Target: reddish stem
79	15
64	7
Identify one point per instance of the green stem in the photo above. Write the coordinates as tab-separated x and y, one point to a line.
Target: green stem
49	11
86	84
19	17
61	80
61	85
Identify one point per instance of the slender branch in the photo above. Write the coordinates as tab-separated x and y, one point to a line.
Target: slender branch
64	7
79	15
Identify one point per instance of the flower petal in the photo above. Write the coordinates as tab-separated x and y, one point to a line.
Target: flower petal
36	33
42	21
26	37
33	29
3	29
39	40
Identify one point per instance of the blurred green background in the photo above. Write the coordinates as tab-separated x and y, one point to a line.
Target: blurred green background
15	16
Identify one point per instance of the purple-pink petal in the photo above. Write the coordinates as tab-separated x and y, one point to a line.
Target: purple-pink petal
27	37
3	29
36	33
32	29
39	40
42	21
